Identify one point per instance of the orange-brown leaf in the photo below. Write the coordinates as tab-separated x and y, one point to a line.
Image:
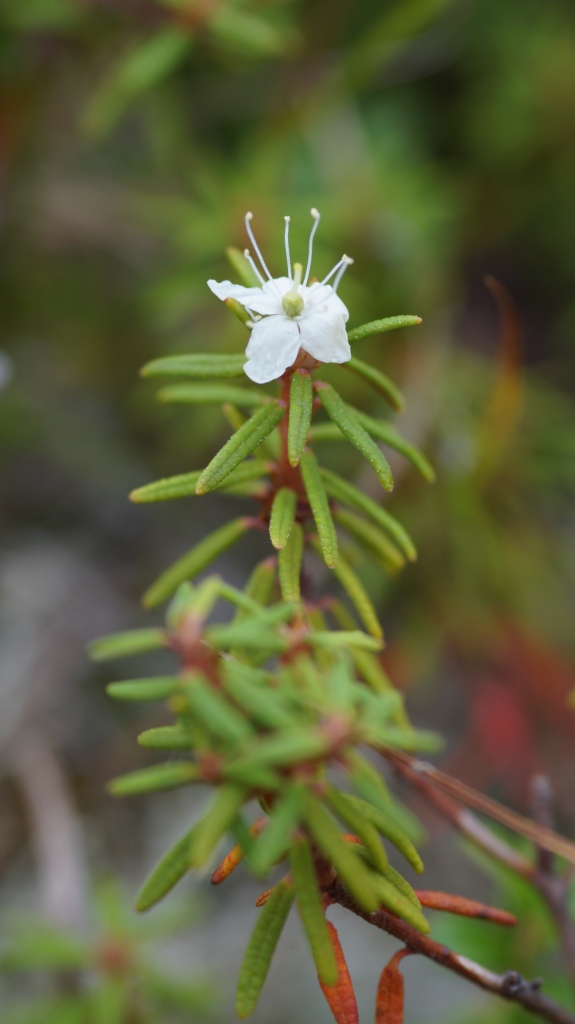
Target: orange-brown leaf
235	856
465	908
389	1001
340	997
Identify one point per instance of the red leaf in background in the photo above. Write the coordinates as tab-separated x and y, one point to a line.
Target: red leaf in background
501	725
340	997
389	1001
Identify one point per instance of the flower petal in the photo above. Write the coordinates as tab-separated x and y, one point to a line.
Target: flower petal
273	346
321	297
324	336
227	290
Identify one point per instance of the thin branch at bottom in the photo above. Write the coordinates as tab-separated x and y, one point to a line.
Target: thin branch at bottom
510	985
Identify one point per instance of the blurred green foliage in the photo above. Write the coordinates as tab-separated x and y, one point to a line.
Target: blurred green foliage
109	975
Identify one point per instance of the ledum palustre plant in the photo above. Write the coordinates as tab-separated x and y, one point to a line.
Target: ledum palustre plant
286	710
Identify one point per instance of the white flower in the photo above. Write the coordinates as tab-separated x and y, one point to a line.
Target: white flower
292	314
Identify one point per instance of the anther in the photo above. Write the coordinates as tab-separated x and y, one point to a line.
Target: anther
346	262
252	238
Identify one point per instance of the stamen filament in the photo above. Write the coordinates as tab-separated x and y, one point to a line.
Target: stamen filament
288	257
253	266
332	271
252	239
346	262
316	217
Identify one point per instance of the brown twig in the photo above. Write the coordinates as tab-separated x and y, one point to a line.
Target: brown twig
510	985
540	835
469	825
553	887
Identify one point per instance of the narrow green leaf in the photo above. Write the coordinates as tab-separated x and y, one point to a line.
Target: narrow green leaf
259	629
166	737
253	637
250	469
389	323
289	565
368	781
201	366
167	872
216	714
154	688
243	269
284	749
342	490
319	504
395	901
253	776
347	862
370	671
324	432
311	911
238	598
195	561
261	947
240	445
403	885
378	380
265	705
351	428
270	446
181	486
157	776
234	416
282	516
273	842
215	823
359	597
344	638
370	537
198	602
378	814
132	641
300	409
367	665
386	433
212	394
260	585
359	823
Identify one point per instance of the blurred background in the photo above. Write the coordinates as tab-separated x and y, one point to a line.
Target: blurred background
437	138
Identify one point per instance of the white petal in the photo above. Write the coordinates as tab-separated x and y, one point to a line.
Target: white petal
323	335
323	298
227	290
273	346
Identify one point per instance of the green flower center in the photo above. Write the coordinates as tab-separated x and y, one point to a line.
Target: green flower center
292	302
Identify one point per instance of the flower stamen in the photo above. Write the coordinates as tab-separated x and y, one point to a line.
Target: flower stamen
339	264
252	238
346	262
316	217
251	262
288	257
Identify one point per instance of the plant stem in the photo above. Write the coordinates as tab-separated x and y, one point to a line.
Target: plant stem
510	985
